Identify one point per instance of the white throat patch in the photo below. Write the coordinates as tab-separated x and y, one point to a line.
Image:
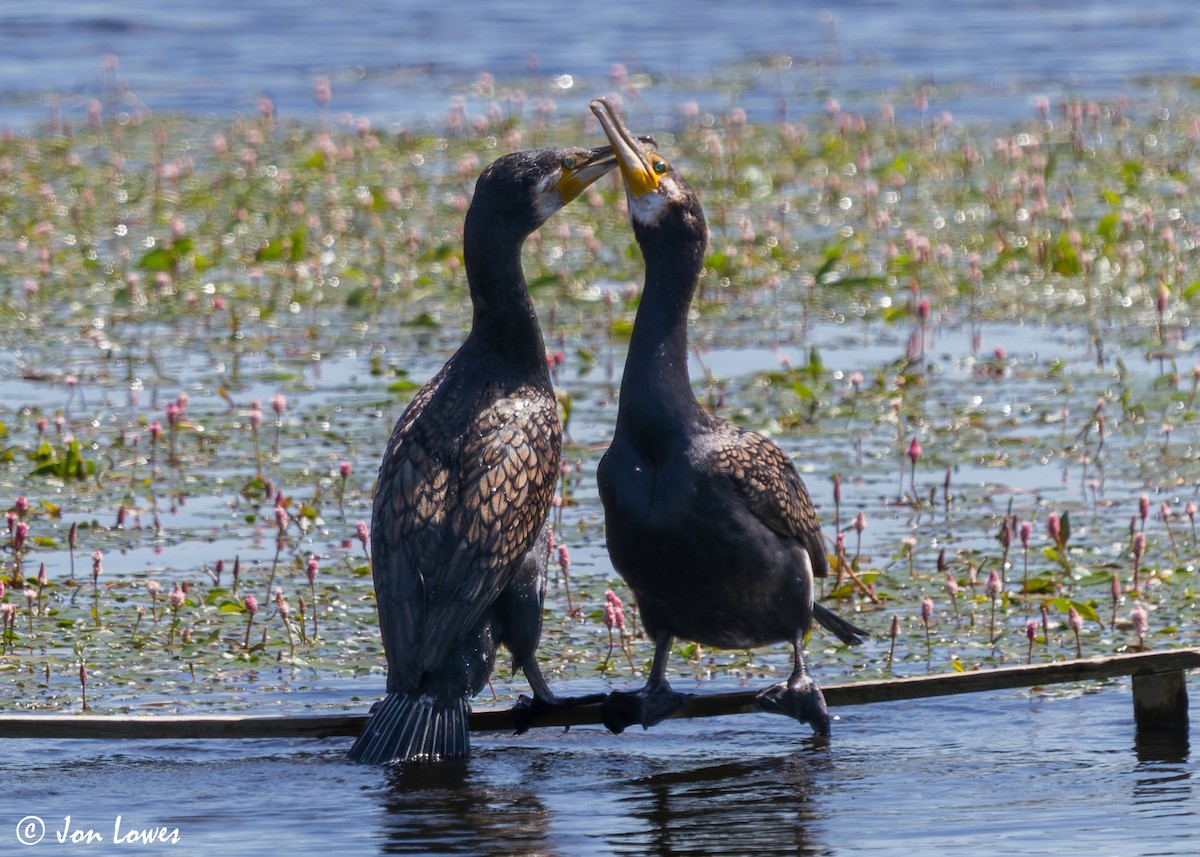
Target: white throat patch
647	209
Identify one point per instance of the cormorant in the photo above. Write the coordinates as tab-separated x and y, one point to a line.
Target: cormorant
708	523
467	479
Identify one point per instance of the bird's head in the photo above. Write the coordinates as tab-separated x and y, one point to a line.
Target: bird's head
523	189
657	192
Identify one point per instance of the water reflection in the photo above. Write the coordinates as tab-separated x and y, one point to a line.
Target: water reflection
1151	746
601	795
752	785
1162	785
460	808
763	805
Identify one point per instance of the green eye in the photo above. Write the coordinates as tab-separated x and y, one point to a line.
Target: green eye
660	167
568	162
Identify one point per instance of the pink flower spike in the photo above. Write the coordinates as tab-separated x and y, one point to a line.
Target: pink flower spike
279	404
993	584
361	530
251	604
1026	532
1031	630
914	451
1141	622
926	609
1074	620
346	468
311	570
177	597
1143	507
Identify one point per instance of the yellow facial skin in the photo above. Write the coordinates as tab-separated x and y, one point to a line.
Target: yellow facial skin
581	168
642	166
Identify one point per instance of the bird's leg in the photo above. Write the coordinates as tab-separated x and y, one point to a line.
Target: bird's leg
650	705
799	696
544	700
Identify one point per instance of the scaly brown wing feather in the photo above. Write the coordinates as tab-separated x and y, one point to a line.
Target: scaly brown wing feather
462	494
764	476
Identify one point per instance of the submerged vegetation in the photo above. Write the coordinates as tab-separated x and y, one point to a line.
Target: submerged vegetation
975	341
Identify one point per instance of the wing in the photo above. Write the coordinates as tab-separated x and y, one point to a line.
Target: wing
766	479
463	491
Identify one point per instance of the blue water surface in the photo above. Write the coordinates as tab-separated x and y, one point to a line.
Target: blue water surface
400	62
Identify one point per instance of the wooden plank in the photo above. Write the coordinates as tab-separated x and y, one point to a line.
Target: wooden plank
183	727
1160	702
180	726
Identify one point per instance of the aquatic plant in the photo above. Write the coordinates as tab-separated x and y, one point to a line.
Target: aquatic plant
1014	299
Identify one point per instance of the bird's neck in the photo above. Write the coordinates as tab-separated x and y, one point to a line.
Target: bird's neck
656	387
504	319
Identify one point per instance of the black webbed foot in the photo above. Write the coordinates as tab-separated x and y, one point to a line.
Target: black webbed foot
799	697
528	709
623	708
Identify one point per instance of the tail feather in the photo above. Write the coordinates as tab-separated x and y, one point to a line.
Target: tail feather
406	728
844	630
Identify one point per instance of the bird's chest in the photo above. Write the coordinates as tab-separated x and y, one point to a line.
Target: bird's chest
651	504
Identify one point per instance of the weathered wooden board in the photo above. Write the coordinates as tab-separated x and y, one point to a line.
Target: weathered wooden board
181	727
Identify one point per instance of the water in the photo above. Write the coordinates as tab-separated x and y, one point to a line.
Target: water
973	775
988	774
399	62
958	776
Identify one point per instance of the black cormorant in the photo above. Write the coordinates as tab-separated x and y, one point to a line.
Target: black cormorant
708	523
467	479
